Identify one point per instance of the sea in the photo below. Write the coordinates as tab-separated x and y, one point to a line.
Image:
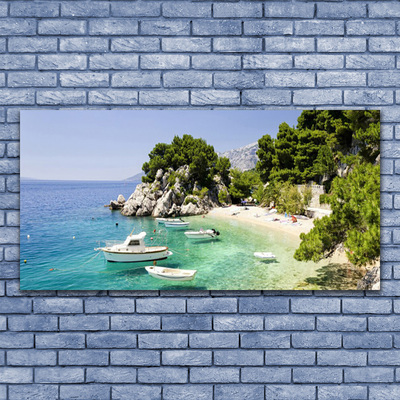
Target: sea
62	222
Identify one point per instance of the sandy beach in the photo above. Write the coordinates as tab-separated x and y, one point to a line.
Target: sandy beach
261	216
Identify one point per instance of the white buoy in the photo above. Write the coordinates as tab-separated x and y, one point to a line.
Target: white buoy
73	237
28	236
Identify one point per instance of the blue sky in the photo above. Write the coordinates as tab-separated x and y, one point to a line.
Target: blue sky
113	145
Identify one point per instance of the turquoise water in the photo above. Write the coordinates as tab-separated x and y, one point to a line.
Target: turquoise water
52	213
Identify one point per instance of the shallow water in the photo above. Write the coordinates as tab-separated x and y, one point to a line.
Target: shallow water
52	213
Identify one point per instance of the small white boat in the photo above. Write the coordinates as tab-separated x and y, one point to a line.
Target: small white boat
171	274
265	255
134	250
164	220
202	234
177	225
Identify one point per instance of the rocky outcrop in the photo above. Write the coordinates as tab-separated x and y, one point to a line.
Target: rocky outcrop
168	196
243	158
371	280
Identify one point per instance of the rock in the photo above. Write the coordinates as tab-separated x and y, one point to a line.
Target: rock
371	280
163	205
114	205
159	174
121	199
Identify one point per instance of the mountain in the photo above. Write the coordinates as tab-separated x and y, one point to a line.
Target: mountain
244	158
135	178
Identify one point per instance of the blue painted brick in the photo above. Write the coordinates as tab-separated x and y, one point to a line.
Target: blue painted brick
109	96
289	79
135	357
342	358
384	357
235	392
187	323
10	132
288	10
100	306
83	79
341	45
289	44
110	375
367	341
319	61
181	9
368	97
349	392
17	61
260	340
135	322
186	357
217	62
366	306
57	306
58	97
381	392
238	357
60	375
111	340
32	79
15	305
268	97
184	79
113	27
162	98
193	45
62	61
217	27
3	9
86	9
32	45
341	323
13	184
137	79
317	375
386	323
135	9
370	61
61	27
136	392
16	375
164	61
343	11
214	340
31	357
264	305
162	375
237	45
212	305
84	322
289	323
325	306
83	357
163	340
179	392
290	357
37	392
113	61
98	392
135	44
87	45
320	340
214	375
242	323
16	340
36	9
215	97
15	26
317	27
165	28
265	375
269	27
368	374
382	10
32	323
238	10
384	44
11	254
289	392
365	27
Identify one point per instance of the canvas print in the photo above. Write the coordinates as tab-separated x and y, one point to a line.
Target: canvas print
200	200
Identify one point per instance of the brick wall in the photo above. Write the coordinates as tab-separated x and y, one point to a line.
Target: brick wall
199	345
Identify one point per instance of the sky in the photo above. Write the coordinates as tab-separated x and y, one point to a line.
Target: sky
113	144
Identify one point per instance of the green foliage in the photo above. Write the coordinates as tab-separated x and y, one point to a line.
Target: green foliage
201	193
187	150
192	200
172	178
223	196
222	167
266	154
290	199
243	183
307	196
354	221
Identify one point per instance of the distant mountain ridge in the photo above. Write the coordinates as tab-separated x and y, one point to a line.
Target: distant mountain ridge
243	158
135	178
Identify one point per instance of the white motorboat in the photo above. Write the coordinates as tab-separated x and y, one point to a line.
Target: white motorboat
202	234
164	220
134	250
171	274
177	225
265	255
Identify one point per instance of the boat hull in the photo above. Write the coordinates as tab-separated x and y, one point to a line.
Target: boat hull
137	257
200	235
168	274
183	225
